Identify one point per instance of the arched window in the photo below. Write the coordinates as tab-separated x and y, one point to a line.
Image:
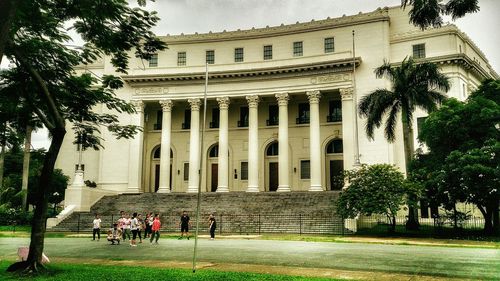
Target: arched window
214	151
273	149
157	153
335	146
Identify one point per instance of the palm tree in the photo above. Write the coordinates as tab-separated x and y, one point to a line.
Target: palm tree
413	85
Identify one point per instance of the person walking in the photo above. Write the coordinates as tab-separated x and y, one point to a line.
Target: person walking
212	226
96	228
126	226
156	229
148	223
140	227
134	225
184	224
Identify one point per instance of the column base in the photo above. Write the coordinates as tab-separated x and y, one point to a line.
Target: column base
222	189
315	188
283	188
252	189
133	189
164	189
192	189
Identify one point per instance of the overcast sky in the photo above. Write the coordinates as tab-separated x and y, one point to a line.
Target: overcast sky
190	16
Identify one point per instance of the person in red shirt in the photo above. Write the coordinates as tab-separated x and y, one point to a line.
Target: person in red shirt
155	229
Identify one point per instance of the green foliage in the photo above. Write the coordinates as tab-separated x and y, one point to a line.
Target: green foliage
428	13
13	216
376	189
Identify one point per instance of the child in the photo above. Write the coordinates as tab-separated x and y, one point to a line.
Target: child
114	234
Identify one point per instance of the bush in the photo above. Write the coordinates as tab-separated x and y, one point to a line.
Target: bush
10	216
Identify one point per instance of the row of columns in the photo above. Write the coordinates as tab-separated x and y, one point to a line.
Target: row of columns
136	146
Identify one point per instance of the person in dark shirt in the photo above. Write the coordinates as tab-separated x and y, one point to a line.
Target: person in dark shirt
212	226
185	223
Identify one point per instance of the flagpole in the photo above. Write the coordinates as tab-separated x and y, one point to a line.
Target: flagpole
355	101
198	202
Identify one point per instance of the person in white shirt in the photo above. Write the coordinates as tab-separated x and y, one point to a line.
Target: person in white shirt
134	227
97	228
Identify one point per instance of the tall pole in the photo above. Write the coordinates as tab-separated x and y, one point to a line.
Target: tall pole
26	166
198	202
357	163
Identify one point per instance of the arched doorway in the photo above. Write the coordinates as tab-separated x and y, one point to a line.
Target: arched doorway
334	164
155	168
271	166
213	168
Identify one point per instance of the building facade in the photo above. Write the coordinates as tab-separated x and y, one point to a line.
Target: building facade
280	112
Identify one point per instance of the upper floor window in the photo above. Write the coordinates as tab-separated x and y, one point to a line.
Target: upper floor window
211	57
215	118
419	51
153	60
273	115
420	123
238	55
243	122
303	114
159	117
268	52
329	45
298	50
187	119
334	111
181	58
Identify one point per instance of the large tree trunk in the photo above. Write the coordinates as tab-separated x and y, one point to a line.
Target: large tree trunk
38	225
412	223
26	166
7	12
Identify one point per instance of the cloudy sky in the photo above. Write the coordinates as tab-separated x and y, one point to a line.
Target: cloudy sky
190	16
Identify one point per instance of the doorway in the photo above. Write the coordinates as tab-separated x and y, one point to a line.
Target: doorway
272	166
334	165
273	176
215	177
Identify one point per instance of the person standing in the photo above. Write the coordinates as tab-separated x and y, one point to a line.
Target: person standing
156	229
126	226
134	225
140	227
184	224
212	226
97	228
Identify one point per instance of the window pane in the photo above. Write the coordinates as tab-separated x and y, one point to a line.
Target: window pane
186	171
181	58
238	55
297	49
211	57
419	51
268	52
329	45
420	123
305	169
334	111
153	60
303	113
244	170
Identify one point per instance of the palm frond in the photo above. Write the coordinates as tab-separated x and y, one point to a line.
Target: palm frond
390	124
459	8
385	70
373	107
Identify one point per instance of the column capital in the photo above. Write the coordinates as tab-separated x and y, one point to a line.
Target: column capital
346	93
195	104
223	102
253	100
313	96
166	105
282	98
138	105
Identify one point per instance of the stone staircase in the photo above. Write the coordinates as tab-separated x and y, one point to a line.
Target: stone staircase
236	212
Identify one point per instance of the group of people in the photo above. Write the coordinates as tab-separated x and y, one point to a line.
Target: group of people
150	225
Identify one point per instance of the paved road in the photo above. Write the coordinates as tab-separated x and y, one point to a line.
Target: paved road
472	263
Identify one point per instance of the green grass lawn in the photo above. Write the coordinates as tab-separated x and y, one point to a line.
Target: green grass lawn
72	272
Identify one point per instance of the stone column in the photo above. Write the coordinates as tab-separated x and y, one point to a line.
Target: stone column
284	165
348	127
253	143
166	125
194	146
314	141
223	160
135	150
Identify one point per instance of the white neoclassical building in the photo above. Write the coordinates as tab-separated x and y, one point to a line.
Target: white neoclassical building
280	114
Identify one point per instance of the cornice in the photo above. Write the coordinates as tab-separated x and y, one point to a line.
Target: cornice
247	74
381	14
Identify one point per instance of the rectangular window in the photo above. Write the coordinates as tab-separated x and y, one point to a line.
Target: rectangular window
273	115
334	111
329	45
243	122
153	60
298	50
303	114
181	58
159	117
268	52
238	55
187	119
420	123
186	171
419	51
215	118
244	170
211	57
305	169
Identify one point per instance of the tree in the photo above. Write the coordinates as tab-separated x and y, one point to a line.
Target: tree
376	189
414	85
46	79
428	13
462	139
